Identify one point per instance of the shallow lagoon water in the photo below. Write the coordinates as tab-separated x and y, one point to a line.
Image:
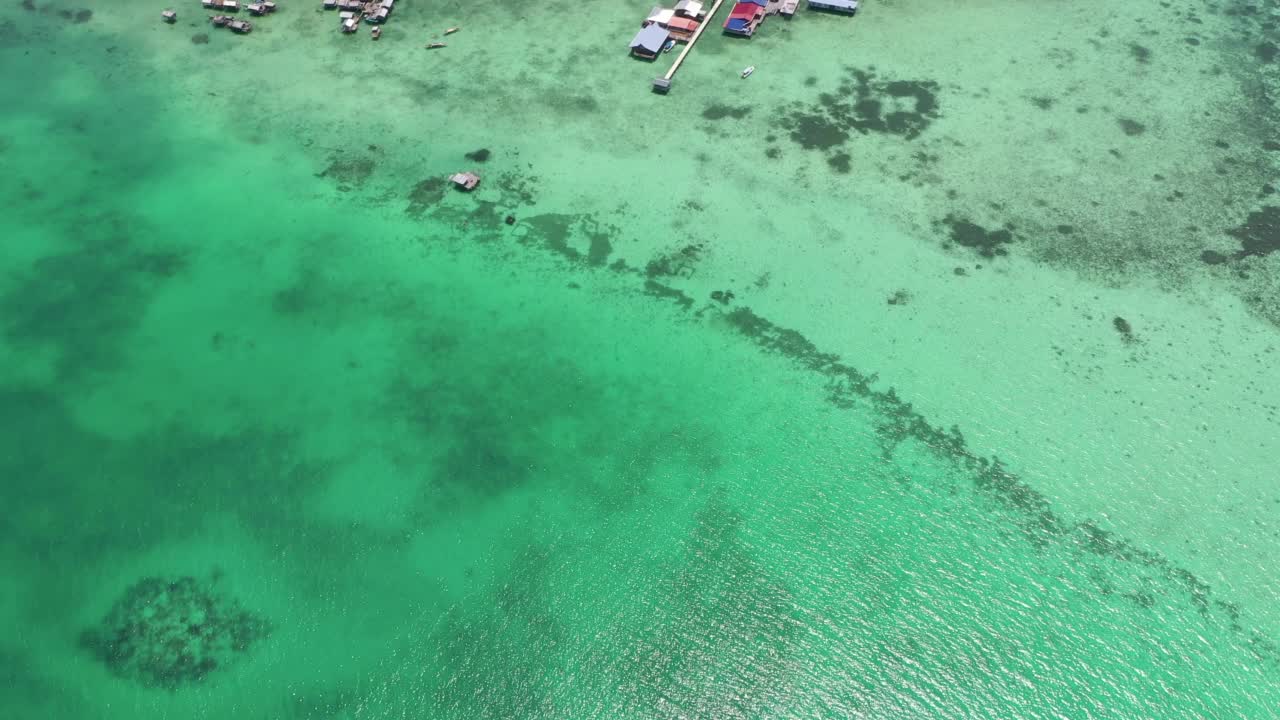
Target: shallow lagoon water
460	468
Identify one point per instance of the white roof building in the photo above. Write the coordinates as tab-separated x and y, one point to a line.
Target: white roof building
659	15
848	7
689	8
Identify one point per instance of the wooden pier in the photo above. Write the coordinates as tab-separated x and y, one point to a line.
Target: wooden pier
663	84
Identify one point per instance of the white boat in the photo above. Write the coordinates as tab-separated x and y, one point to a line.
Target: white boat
666	48
747	72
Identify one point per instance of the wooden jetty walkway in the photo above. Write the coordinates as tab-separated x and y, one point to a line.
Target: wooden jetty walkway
663	84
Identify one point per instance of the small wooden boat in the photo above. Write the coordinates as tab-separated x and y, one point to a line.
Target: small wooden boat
435	45
219	20
666	48
376	32
746	73
452	30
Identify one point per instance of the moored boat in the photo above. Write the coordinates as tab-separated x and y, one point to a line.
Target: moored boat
435	45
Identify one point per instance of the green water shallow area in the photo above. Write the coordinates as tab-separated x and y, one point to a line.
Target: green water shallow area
930	372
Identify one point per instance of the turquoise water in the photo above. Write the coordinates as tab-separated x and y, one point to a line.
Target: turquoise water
930	372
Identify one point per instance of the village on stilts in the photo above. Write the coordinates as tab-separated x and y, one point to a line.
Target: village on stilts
663	28
352	12
222	20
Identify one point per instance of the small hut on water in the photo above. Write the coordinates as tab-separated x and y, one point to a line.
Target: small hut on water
465	180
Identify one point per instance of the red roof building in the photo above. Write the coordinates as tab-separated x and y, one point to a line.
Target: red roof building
682	27
744	18
681	23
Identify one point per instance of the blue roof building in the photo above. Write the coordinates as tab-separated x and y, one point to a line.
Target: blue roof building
649	41
744	18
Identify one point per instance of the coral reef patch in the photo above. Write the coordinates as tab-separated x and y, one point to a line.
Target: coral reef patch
168	632
864	103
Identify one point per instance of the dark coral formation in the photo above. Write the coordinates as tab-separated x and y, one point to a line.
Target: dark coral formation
899	422
1123	327
1260	233
987	243
348	170
82	302
1131	127
555	232
1259	236
1029	509
78	17
899	297
679	263
719	111
666	292
425	195
865	104
172	632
